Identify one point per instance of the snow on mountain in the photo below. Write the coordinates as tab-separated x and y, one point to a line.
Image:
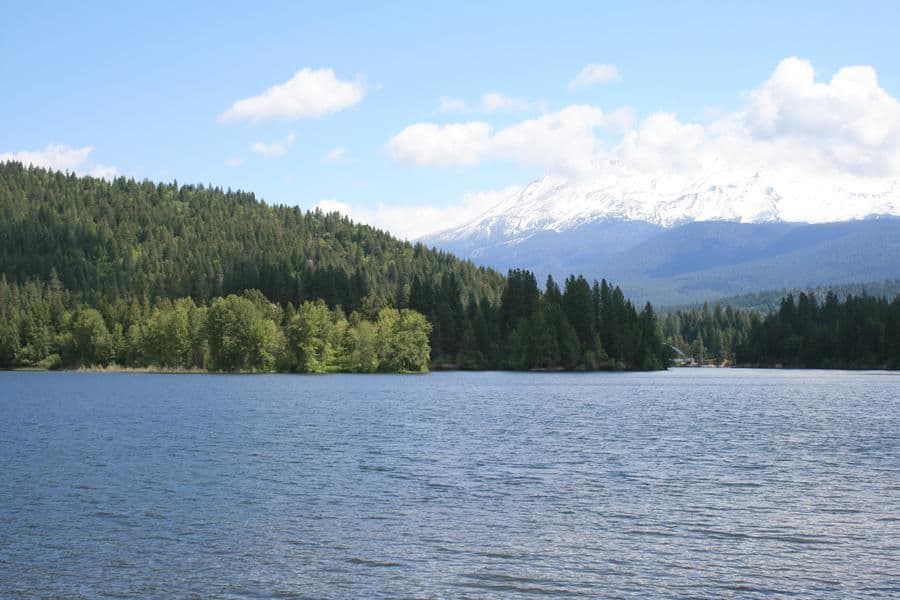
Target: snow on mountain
553	203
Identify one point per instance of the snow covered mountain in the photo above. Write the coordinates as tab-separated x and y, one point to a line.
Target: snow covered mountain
553	203
673	239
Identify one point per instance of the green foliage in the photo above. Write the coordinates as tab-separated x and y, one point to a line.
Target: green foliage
53	362
234	333
568	329
404	341
860	332
90	342
315	337
166	338
240	338
707	334
125	238
770	300
189	277
361	348
321	341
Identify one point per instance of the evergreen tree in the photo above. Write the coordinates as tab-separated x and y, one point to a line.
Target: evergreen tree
181	276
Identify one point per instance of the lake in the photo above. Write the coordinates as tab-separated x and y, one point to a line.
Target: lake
687	483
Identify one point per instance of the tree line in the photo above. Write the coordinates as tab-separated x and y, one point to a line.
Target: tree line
709	334
579	327
123	259
42	326
769	301
860	332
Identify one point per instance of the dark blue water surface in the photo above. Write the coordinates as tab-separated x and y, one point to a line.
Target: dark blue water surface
690	483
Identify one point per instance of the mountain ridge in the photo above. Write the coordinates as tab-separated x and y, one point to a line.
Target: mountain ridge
557	203
674	247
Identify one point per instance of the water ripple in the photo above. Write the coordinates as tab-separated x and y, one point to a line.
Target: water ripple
691	483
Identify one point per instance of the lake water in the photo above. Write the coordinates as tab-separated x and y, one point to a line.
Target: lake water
688	483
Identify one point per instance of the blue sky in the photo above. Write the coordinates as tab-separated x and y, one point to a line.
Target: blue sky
144	85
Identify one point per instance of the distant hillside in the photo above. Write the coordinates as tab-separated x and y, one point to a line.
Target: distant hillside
106	240
703	260
805	331
770	300
160	275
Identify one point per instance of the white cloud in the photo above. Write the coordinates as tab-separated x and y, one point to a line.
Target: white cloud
791	123
335	154
563	140
274	149
844	131
441	145
309	93
413	222
330	205
62	158
52	156
234	162
662	142
848	124
622	119
593	74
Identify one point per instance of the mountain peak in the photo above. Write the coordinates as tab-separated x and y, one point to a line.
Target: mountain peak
555	203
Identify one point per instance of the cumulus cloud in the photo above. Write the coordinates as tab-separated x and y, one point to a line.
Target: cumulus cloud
562	140
274	149
844	130
662	142
622	119
62	158
413	222
441	145
52	156
593	74
850	123
335	154
309	93
846	125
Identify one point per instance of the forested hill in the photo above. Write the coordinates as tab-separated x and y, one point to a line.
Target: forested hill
858	332
769	301
142	274
106	240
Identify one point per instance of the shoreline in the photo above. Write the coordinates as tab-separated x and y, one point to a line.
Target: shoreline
172	371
